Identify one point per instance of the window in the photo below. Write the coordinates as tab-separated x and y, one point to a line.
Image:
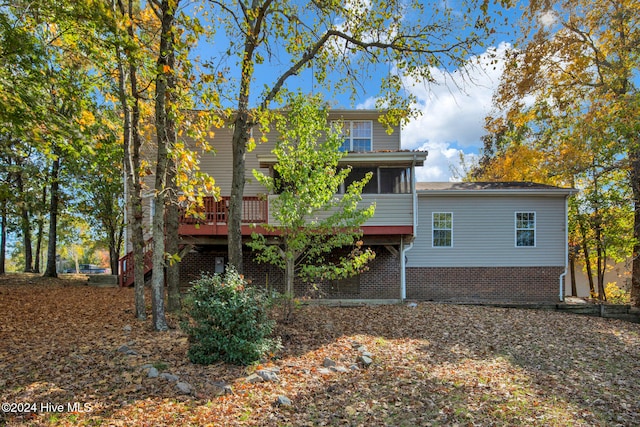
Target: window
525	229
357	135
442	229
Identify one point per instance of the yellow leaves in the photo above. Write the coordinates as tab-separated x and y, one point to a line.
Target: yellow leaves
86	119
523	118
251	142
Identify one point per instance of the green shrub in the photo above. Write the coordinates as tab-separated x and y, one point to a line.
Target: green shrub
228	320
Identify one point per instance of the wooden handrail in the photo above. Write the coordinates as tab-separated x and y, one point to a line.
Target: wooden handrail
254	211
127	276
216	212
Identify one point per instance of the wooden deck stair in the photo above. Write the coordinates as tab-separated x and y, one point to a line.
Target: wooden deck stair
126	264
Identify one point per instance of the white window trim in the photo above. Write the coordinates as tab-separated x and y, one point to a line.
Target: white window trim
433	245
535	228
348	125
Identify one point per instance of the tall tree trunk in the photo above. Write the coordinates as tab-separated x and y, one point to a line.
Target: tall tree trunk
166	133
132	143
51	270
115	243
572	269
3	236
239	147
587	260
25	224
241	134
600	260
37	261
635	186
173	269
172	239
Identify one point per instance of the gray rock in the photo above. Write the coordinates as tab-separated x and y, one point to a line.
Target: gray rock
153	373
184	388
325	371
365	361
268	375
254	378
283	401
146	366
340	369
127	328
169	377
366	354
328	363
362	349
221	388
125	349
354	367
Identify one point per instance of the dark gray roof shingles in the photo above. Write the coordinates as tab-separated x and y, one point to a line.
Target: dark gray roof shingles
474	186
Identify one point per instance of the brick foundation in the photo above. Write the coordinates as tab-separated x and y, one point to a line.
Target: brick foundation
512	284
381	281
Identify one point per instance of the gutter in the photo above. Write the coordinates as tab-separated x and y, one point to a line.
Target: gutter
566	250
403	254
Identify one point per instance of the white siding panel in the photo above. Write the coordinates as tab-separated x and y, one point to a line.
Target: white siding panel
484	232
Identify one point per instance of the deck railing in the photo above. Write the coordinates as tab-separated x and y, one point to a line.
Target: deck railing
126	264
216	212
254	211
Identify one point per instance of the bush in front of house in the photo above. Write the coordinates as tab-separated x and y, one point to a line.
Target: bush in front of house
228	320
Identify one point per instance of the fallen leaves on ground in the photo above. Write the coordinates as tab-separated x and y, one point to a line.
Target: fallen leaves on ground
434	364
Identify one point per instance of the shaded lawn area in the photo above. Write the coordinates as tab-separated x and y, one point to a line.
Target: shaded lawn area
434	365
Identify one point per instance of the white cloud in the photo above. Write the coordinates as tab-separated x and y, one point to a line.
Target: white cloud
454	109
442	161
453	113
548	18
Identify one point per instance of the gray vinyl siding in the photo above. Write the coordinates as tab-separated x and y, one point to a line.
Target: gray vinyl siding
219	162
382	141
391	209
484	232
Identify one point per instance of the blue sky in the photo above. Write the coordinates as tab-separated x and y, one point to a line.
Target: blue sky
453	108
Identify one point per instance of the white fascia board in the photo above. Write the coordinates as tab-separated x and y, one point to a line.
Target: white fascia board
407	158
501	192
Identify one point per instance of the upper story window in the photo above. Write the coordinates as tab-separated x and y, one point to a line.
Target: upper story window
442	224
358	135
525	229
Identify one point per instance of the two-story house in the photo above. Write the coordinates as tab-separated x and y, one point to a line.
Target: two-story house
433	241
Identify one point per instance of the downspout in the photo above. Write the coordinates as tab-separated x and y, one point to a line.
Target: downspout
566	249
403	256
